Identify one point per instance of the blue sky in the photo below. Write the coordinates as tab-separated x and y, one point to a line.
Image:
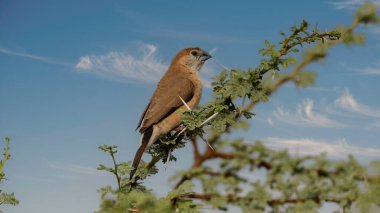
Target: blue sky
77	74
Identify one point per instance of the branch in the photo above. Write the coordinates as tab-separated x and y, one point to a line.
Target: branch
196	153
210	154
118	177
284	50
273	202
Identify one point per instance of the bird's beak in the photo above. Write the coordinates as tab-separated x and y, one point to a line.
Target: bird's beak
205	56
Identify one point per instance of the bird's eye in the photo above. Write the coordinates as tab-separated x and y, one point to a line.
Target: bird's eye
194	53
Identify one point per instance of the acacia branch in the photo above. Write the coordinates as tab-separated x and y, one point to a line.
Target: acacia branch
194	142
210	154
273	202
287	45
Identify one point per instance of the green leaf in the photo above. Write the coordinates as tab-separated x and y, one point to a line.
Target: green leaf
305	79
185	187
247	114
8	199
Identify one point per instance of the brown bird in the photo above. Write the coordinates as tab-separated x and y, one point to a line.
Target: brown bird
181	83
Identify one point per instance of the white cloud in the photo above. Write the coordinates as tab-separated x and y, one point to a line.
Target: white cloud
125	66
84	63
30	56
36	179
375	30
370	71
306	146
144	66
270	121
347	101
376	125
74	168
304	116
352	4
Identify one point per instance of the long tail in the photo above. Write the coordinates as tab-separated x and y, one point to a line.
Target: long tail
144	143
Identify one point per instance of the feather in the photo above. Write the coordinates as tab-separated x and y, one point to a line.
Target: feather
144	143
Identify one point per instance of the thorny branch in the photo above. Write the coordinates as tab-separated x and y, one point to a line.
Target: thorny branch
208	154
307	182
232	198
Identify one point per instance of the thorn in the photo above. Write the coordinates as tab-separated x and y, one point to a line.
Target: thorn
167	161
207	142
209	118
187	106
184	129
222	65
212	51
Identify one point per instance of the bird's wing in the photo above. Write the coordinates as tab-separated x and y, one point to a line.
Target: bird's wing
165	99
142	116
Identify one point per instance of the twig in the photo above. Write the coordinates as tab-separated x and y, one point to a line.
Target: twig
118	178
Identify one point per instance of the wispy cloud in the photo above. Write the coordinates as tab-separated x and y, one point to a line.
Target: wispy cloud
352	4
375	30
304	116
74	168
121	66
35	179
270	121
370	71
376	124
145	66
30	56
348	102
307	146
373	69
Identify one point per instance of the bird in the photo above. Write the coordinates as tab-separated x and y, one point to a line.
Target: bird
180	88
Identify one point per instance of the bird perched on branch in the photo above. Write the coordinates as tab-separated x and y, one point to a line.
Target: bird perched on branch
179	89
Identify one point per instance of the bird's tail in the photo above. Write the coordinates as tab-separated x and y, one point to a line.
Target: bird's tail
144	143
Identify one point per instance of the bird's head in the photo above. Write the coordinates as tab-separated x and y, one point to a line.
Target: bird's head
193	57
